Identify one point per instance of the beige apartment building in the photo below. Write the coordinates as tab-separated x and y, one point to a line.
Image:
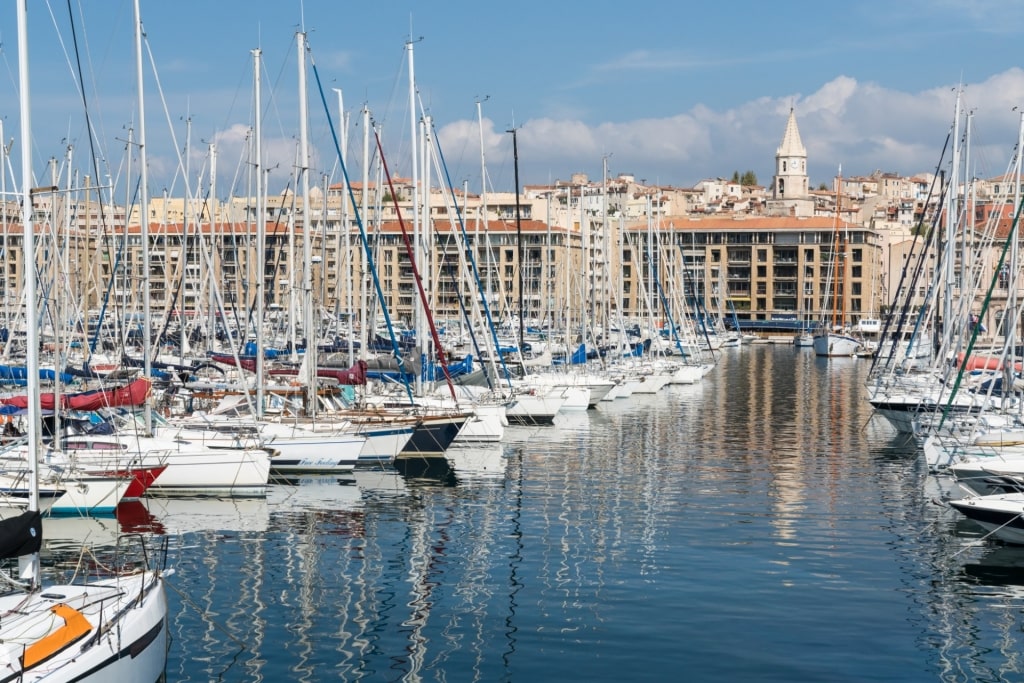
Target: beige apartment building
615	250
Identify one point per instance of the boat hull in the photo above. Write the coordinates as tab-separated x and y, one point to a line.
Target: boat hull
1000	516
835	345
433	436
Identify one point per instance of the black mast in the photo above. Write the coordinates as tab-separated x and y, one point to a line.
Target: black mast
519	238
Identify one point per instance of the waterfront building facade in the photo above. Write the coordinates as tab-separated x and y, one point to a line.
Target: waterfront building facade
613	251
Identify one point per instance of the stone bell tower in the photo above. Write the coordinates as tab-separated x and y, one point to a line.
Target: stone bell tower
790	196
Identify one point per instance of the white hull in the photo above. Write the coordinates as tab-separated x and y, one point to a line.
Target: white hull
90	495
78	493
383	445
803	341
651	383
1002	516
835	345
534	407
126	638
214	472
487	425
319	454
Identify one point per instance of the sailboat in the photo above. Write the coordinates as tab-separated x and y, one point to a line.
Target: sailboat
102	628
830	338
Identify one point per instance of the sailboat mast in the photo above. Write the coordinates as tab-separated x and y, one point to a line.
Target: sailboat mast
952	210
143	216
1011	303
261	229
29	563
415	167
307	238
837	263
519	239
364	262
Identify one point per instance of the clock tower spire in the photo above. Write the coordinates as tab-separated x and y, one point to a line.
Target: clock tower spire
790	192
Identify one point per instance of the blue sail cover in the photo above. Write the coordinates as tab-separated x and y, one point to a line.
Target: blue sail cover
435	372
18	374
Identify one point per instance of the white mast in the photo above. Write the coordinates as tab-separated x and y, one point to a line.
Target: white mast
186	215
307	238
1011	317
952	208
29	564
261	230
144	216
365	201
4	151
413	138
213	232
346	233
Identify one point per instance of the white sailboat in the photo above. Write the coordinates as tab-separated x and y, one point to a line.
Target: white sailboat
830	339
102	629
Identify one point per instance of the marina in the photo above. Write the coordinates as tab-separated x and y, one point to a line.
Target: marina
761	524
585	430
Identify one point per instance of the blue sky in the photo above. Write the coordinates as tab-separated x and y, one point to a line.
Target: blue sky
667	91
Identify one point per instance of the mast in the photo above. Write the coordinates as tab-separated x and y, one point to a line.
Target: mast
29	564
952	209
1011	303
519	239
346	235
144	216
261	231
212	303
414	165
307	238
4	152
364	262
186	217
837	263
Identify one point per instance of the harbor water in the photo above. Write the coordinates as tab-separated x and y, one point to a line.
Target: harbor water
761	525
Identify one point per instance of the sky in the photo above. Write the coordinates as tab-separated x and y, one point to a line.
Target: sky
668	92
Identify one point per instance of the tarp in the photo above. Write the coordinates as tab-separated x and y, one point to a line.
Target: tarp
19	373
353	375
133	394
244	362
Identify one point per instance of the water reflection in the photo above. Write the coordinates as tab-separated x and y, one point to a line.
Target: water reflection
998	566
481	463
659	529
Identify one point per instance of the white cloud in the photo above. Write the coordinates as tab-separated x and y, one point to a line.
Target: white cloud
861	125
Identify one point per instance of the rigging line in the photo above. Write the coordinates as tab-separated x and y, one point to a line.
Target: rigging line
362	230
908	296
475	270
271	95
438	349
984	308
257	325
85	109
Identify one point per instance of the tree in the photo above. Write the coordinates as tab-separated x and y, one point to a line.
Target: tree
735	176
749	178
